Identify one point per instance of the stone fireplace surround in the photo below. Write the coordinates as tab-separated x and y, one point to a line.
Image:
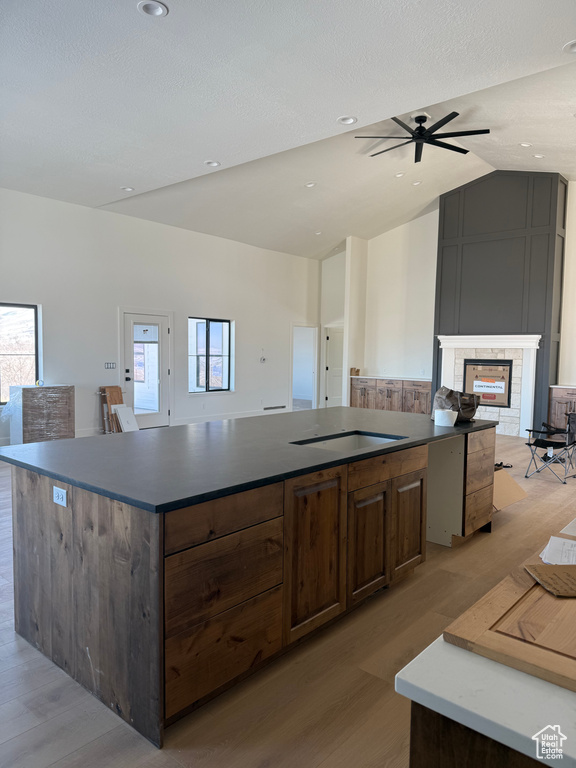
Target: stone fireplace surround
521	349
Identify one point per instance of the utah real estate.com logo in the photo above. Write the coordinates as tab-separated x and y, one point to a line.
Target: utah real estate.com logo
549	743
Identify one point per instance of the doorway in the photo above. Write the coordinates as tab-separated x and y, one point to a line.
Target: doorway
334	356
304	356
146	368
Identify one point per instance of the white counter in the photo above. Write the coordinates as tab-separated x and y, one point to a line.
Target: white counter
500	702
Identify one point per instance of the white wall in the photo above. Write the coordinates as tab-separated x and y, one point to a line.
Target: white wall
567	362
400	292
303	363
332	292
82	264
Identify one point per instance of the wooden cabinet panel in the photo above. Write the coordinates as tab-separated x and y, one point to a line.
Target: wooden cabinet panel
362	393
368	513
211	654
416	397
189	526
479	470
380	468
478	509
562	402
407	545
315	550
479	441
389	395
203	581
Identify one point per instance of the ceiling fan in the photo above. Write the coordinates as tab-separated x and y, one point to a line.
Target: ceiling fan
422	135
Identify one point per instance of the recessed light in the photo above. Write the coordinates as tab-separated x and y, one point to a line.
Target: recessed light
152	8
347	120
317	233
212	163
399	175
525	144
127	189
538	156
310	184
416	183
570	47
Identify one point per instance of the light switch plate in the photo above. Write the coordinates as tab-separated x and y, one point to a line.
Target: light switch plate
59	495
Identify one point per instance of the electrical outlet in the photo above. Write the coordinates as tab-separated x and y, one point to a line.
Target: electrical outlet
59	495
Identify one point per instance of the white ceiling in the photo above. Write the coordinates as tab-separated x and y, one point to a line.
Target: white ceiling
96	96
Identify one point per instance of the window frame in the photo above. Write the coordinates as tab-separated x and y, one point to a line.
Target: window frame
36	338
208	321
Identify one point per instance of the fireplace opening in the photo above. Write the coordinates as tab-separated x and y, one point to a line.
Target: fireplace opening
491	379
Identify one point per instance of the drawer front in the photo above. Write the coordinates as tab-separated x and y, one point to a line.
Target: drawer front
421	386
389	383
562	392
480	441
371	471
213	653
189	526
358	383
211	578
479	470
478	509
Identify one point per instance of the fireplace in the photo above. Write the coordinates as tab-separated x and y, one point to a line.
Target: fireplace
516	353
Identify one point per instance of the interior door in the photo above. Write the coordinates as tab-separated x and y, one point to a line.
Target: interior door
146	368
334	361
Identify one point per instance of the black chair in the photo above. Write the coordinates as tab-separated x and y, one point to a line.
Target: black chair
558	446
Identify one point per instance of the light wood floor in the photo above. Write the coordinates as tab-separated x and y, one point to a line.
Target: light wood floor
328	704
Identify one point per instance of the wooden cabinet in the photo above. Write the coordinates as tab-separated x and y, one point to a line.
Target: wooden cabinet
388	395
363	393
562	402
416	396
41	413
479	480
407	545
222	593
314	550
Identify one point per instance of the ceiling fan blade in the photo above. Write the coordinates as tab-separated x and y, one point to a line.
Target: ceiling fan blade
459	133
442	122
391	148
379	137
403	125
443	144
418	152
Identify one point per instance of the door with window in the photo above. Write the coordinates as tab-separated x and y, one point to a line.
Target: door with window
146	368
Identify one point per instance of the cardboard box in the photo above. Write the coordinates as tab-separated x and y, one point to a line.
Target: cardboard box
506	490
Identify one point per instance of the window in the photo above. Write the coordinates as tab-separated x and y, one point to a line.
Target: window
208	355
18	347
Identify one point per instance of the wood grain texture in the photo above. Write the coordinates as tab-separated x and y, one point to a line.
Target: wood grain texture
479	470
380	468
407	539
437	741
205	580
478	509
481	441
389	395
203	522
88	594
314	550
208	655
368	531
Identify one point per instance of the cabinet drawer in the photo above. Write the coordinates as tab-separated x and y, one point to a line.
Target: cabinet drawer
209	655
209	579
480	441
478	509
189	526
381	468
369	383
562	392
389	383
479	470
421	386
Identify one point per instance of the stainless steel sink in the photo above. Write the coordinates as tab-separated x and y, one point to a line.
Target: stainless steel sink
348	441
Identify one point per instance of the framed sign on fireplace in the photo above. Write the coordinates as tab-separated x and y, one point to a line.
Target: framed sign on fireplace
490	379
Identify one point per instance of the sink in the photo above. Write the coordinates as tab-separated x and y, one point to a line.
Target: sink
348	441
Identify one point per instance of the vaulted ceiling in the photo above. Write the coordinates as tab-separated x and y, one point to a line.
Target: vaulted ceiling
95	97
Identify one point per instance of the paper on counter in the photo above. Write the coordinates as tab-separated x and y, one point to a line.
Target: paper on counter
570	529
559	551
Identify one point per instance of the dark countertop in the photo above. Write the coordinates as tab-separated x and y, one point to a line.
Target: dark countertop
171	467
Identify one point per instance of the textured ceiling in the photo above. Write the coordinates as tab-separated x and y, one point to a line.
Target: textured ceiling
95	96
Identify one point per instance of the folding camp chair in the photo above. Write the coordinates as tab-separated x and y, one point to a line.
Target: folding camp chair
558	446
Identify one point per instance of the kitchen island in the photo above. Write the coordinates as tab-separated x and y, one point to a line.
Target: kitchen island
159	567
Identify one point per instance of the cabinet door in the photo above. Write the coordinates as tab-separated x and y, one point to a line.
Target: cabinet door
394	399
409	400
370	396
356	394
407	522
314	550
559	409
368	565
